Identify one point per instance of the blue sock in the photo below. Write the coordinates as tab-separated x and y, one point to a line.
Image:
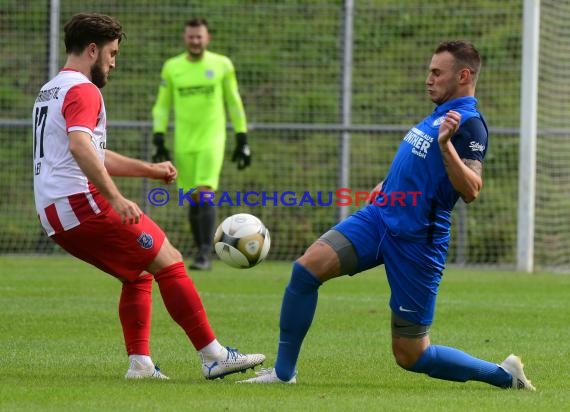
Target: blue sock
297	312
451	364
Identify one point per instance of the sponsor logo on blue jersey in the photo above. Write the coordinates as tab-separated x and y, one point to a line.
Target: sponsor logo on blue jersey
145	240
420	142
476	146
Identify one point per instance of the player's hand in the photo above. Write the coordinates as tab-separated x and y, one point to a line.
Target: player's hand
128	210
242	154
164	171
162	154
448	127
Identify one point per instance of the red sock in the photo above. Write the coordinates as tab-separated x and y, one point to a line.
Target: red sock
135	307
184	304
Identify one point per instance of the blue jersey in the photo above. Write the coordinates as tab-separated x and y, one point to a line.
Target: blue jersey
417	196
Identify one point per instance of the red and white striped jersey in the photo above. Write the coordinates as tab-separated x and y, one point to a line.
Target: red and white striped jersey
69	102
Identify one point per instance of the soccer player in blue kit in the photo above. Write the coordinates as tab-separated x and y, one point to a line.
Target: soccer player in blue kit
439	160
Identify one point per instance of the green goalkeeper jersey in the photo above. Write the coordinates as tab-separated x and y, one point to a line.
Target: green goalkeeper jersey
198	91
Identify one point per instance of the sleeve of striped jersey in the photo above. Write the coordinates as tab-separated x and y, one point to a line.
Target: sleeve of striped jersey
81	107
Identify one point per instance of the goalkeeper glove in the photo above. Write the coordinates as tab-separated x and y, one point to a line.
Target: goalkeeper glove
242	154
162	154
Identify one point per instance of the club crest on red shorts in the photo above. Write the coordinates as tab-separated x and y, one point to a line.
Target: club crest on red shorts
145	240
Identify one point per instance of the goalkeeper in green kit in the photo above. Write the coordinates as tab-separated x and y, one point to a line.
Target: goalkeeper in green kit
199	85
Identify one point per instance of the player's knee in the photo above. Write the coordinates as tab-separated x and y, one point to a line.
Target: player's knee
407	351
403	356
409	340
204	196
166	256
173	254
332	255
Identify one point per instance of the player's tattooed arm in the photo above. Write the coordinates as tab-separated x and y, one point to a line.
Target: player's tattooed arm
474	165
464	174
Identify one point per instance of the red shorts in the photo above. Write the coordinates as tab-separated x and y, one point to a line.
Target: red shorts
121	250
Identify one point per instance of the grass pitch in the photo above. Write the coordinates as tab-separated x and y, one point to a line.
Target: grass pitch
61	346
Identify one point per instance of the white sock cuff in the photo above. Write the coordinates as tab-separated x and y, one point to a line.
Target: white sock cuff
142	359
213	350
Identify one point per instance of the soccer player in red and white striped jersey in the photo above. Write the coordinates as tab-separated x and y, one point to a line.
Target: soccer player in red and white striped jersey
83	211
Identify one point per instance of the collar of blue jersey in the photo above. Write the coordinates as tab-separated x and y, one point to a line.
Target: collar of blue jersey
461	103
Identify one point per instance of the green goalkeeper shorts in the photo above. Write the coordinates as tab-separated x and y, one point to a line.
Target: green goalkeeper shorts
199	168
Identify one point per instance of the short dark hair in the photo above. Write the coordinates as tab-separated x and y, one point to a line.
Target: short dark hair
464	53
85	28
196	22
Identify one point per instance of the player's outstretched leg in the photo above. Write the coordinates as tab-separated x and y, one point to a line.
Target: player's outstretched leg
451	364
297	312
185	307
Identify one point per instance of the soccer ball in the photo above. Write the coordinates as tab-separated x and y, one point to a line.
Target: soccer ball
242	241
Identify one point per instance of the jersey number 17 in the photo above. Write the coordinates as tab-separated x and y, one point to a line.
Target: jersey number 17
39	129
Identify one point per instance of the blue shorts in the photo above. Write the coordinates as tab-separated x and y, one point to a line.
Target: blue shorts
413	269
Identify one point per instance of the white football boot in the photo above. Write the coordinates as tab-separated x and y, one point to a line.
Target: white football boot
144	370
268	376
514	366
234	361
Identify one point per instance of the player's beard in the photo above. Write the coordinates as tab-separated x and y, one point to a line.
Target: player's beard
196	55
98	76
